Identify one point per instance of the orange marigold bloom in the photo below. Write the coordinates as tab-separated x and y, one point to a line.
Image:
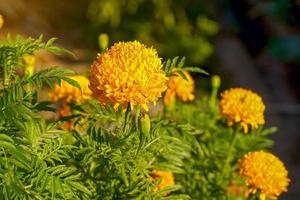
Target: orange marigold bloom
129	72
264	172
1	21
178	86
242	106
64	112
69	93
167	179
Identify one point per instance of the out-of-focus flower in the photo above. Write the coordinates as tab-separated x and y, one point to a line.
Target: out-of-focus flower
68	93
28	59
129	72
178	86
242	106
1	21
167	179
28	62
264	172
66	111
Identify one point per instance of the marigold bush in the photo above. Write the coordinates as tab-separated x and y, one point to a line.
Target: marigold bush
185	152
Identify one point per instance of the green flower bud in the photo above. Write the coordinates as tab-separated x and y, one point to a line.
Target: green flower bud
103	41
216	81
145	124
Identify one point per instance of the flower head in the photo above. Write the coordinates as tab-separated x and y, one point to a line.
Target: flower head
242	106
178	86
265	172
129	72
69	93
167	179
1	21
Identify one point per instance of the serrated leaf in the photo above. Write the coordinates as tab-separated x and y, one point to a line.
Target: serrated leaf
195	69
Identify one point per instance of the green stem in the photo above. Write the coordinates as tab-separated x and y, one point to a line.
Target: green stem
6	77
213	97
126	117
137	116
229	154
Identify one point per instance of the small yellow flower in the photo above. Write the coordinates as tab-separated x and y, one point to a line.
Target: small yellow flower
68	93
29	64
1	21
264	172
242	106
167	179
178	86
129	72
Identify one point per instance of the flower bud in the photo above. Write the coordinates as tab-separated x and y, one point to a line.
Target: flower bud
216	81
145	124
103	41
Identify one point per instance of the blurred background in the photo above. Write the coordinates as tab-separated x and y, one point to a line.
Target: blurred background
250	43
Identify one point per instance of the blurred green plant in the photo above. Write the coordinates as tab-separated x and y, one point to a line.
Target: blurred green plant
174	27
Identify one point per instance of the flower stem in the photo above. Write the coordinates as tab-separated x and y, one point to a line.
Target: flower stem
229	153
126	117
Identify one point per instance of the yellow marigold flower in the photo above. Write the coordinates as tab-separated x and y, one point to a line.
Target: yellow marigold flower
264	172
1	21
129	72
178	86
167	179
69	93
242	106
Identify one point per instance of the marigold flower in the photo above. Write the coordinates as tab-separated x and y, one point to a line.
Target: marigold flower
242	106
69	93
129	72
66	111
178	86
1	21
264	172
167	179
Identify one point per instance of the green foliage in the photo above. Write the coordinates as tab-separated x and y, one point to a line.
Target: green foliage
111	154
34	159
171	67
117	157
174	27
